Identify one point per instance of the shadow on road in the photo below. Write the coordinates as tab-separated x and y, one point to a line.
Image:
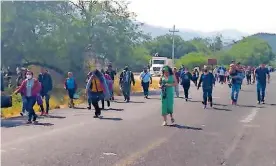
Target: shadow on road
113	109
185	127
224	105
195	101
115	119
7	123
43	124
54	116
129	102
221	109
80	108
249	106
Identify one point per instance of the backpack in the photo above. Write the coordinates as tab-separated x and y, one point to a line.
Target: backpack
184	78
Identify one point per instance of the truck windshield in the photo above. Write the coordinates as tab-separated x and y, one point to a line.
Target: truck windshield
161	62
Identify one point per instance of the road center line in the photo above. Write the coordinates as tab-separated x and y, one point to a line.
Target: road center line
135	156
251	116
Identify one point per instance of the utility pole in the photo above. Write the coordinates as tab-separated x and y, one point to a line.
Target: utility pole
173	31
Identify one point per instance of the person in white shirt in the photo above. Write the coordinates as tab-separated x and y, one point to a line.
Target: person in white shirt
146	80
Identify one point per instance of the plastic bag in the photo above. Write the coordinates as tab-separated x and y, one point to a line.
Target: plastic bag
76	96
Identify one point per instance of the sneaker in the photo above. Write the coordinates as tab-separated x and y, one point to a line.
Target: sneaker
89	107
29	122
211	104
164	123
205	106
186	99
108	104
21	113
263	102
46	113
95	116
259	102
42	113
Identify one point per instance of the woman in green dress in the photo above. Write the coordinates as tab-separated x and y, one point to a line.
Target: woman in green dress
167	83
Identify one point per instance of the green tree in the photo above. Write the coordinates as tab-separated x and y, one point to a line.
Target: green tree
163	46
192	60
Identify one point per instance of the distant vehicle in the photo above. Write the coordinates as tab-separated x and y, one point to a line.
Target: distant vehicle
157	63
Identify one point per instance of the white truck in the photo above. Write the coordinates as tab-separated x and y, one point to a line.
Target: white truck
157	63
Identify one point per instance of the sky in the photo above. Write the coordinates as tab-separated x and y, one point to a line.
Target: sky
248	16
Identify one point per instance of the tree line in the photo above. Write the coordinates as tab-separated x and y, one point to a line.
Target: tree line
71	36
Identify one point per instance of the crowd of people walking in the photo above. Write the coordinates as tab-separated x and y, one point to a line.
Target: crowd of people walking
100	84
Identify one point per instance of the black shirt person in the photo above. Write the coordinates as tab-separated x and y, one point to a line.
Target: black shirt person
186	78
261	74
46	82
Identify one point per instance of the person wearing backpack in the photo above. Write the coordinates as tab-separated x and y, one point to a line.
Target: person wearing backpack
126	79
97	90
146	80
186	78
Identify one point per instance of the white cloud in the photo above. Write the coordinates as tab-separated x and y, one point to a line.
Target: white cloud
249	16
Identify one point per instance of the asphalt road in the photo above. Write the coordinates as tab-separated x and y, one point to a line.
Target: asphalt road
131	134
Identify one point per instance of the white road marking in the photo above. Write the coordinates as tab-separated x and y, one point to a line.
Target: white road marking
3	151
251	116
110	154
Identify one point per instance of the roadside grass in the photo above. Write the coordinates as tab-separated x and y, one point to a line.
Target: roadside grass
59	98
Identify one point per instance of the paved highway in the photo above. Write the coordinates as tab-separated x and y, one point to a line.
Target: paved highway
131	134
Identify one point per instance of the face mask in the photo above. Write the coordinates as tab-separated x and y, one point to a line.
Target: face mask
28	76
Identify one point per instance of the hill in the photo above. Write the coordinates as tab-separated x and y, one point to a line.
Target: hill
269	38
186	34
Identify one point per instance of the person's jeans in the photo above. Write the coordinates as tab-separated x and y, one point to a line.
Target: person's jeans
176	89
235	92
126	91
24	101
261	91
145	86
30	102
207	94
186	88
47	99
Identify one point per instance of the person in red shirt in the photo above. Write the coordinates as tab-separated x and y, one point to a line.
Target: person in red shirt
30	88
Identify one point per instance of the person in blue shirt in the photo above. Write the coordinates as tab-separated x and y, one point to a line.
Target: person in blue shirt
71	86
261	74
146	80
236	82
207	80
